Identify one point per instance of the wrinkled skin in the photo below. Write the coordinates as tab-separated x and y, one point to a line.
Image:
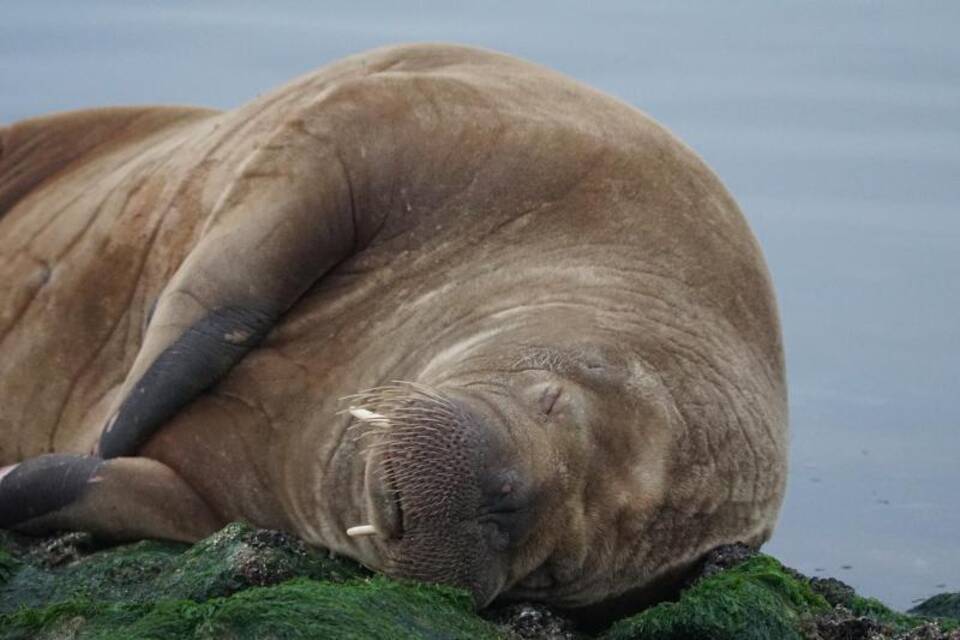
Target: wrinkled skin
555	311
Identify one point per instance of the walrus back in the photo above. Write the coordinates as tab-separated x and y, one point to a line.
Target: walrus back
44	288
33	150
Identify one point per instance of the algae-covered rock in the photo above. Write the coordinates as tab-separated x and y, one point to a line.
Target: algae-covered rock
945	605
238	583
834	591
299	608
245	583
230	560
757	599
239	557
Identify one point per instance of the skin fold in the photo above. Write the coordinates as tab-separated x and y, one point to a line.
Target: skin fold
555	331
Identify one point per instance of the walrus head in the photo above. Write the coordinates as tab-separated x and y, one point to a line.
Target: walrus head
533	477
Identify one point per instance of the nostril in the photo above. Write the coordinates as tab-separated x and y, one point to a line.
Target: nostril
501	492
505	512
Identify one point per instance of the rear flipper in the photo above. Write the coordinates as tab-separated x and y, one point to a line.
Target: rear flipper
120	499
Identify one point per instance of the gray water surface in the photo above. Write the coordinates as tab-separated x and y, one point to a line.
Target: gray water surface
836	126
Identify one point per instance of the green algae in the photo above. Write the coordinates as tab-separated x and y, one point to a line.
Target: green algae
235	558
121	575
756	600
374	608
761	599
239	583
8	566
244	583
876	610
299	608
944	605
238	557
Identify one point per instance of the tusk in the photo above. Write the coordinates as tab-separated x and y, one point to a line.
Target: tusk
367	416
5	470
362	530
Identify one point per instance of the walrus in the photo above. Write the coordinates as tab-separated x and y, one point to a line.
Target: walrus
441	310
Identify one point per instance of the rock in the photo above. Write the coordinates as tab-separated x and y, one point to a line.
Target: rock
743	595
63	549
534	621
237	557
238	583
754	600
945	605
842	624
930	631
247	583
835	592
723	557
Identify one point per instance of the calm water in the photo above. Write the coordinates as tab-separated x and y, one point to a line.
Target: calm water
836	126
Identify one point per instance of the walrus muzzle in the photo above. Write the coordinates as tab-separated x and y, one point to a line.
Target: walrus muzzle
440	500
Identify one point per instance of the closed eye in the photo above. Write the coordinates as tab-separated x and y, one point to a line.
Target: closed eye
549	397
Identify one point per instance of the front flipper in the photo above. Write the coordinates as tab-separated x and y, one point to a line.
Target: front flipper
122	499
198	357
286	220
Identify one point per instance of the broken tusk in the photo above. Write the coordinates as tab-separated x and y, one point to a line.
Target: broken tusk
367	416
362	530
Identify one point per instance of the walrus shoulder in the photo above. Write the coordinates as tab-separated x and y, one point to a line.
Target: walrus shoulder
32	150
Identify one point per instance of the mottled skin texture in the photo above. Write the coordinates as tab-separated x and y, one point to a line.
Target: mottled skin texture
545	258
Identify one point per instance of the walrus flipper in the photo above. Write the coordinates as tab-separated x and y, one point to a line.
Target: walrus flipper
123	499
196	360
285	220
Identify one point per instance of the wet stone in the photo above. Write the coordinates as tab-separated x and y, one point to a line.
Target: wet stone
834	591
724	557
532	621
841	624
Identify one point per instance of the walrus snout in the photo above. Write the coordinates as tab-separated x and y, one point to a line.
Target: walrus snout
382	499
444	502
506	509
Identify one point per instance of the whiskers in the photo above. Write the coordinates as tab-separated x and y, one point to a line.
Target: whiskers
420	440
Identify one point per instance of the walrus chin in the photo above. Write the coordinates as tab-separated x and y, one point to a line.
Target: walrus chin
440	507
